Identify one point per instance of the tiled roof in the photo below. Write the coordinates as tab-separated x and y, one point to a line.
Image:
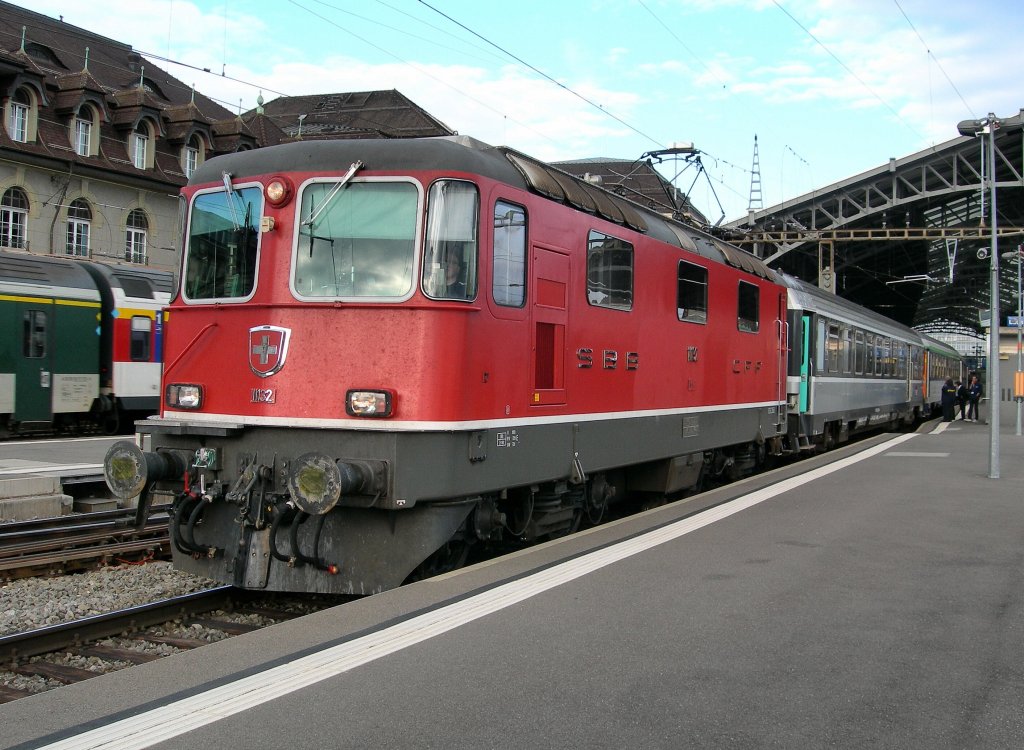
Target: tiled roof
68	66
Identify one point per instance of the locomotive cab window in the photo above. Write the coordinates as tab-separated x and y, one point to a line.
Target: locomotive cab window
141	338
450	251
508	286
692	293
609	272
356	239
748	308
223	239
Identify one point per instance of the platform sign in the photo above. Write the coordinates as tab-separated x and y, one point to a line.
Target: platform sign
1015	321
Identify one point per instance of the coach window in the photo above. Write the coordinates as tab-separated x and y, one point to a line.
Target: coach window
819	349
748	308
33	339
833	347
223	237
858	352
508	287
692	293
450	250
142	336
609	272
845	351
356	240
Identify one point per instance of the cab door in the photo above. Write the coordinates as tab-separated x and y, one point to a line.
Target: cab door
550	316
33	361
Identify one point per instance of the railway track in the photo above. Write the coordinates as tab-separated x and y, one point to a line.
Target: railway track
141	634
80	541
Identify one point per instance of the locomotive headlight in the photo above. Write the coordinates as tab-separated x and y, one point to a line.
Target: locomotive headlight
369	403
279	191
183	396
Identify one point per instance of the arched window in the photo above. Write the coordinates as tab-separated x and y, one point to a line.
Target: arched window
14	218
135	237
140	146
21	116
192	155
85	131
79	222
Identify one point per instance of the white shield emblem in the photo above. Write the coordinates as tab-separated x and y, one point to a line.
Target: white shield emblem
268	347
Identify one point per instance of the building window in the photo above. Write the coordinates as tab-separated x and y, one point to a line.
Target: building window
609	272
18	116
192	156
508	285
135	237
79	221
139	147
83	136
13	218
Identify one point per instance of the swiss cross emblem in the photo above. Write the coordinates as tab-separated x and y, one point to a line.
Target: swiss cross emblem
268	347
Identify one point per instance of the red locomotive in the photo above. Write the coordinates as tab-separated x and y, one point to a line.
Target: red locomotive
386	351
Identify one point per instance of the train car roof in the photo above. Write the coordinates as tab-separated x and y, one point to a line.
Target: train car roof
934	345
466	154
805	296
134	281
45	275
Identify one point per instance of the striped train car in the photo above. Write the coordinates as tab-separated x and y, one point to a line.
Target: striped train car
81	348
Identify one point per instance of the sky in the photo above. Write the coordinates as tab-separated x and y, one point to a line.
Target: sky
830	88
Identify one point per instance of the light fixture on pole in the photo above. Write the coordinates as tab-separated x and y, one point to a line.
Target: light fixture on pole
988	126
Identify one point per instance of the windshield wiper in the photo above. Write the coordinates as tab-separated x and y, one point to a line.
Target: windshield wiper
356	166
226	176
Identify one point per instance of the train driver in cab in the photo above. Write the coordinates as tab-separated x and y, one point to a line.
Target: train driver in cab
454	280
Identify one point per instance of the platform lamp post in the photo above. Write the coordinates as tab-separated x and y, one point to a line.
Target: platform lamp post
988	126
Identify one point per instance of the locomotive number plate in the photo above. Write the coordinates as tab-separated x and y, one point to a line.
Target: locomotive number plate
262	396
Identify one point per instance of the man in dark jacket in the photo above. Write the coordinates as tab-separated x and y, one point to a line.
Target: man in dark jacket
973	397
961	399
948	400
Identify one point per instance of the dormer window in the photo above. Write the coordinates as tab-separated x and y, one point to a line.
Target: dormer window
21	116
85	130
140	146
192	156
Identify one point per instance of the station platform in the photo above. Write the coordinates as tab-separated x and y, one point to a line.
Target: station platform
871	596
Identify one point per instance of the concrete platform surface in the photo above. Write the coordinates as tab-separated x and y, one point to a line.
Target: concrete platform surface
868	597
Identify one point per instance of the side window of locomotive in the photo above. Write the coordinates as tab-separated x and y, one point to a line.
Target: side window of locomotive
609	272
33	339
223	238
692	293
356	239
508	286
450	251
141	339
748	308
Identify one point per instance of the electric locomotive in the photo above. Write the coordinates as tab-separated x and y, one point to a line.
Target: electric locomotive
385	352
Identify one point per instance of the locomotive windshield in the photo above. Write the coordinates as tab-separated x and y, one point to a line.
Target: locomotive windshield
223	238
356	241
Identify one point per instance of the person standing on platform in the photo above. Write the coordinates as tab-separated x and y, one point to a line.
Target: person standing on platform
973	397
961	399
948	401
